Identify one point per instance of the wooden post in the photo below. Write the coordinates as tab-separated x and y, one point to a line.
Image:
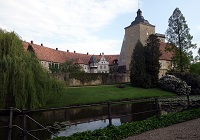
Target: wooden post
109	114
24	125
10	125
157	106
188	101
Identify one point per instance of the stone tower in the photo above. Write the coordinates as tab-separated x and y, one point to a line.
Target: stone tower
139	29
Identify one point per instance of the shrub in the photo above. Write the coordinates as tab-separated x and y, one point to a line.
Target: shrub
120	86
192	80
173	84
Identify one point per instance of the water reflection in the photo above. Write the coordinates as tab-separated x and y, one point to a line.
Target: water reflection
87	126
66	116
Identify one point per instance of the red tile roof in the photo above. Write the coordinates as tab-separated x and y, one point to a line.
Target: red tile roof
47	54
165	55
52	55
79	61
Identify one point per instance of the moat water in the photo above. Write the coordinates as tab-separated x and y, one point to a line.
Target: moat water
58	120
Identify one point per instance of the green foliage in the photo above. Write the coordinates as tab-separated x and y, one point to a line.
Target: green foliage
70	67
144	66
85	77
54	68
152	55
195	68
199	51
138	77
197	58
67	67
180	41
192	80
30	49
134	128
24	83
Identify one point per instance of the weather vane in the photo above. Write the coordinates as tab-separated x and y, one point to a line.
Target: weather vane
138	4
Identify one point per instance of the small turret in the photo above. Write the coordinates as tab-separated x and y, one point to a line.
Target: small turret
93	64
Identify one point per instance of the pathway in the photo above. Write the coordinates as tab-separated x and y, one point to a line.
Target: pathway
189	130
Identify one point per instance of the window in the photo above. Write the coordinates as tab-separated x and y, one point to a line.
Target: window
105	67
100	67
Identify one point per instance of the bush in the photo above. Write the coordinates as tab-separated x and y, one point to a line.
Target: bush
120	86
173	84
192	80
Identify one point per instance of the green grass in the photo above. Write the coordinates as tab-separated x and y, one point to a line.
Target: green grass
103	93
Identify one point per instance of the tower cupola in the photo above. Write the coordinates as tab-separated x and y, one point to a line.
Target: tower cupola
139	18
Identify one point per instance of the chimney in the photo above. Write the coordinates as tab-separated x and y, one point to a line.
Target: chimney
56	48
100	54
74	51
41	44
87	53
67	50
31	41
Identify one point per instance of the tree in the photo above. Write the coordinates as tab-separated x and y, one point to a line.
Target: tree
199	51
70	67
23	81
152	55
180	40
137	67
197	58
195	68
54	68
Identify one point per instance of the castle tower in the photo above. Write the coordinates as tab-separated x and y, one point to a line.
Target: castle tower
139	29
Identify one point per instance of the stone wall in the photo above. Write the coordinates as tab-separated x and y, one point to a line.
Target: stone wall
134	33
103	79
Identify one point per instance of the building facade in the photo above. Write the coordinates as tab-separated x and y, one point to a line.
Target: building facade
89	63
139	29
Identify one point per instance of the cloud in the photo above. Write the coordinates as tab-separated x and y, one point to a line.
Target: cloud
71	23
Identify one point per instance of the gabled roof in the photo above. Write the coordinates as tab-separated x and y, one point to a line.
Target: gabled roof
52	55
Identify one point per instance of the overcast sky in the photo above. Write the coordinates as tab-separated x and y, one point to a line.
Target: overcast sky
93	26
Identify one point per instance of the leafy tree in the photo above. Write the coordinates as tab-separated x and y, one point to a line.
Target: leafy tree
30	49
23	81
199	51
137	67
195	68
152	54
180	40
54	68
70	67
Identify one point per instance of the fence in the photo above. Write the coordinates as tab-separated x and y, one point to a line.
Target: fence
24	114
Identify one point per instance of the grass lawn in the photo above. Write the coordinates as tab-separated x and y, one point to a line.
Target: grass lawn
94	94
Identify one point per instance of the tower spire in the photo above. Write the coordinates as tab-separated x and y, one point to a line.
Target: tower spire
138	4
